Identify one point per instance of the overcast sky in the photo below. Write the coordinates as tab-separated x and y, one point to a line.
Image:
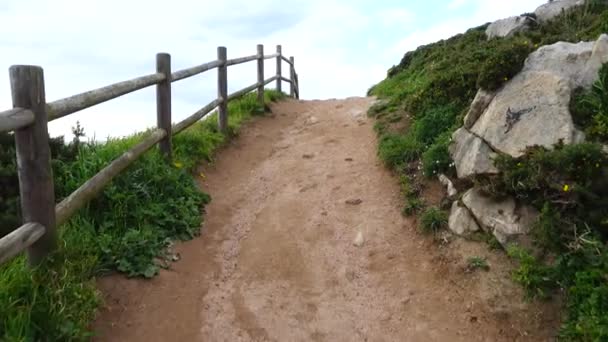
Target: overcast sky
342	47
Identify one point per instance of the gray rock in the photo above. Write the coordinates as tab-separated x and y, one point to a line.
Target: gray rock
533	107
552	9
443	179
508	26
508	222
471	155
479	105
461	222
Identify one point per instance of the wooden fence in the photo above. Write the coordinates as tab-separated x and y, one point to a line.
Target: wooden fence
31	114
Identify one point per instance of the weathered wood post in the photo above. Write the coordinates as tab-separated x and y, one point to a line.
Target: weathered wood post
34	159
261	75
292	73
222	89
279	68
163	103
297	86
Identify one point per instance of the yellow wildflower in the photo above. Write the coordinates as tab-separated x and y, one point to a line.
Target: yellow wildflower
566	187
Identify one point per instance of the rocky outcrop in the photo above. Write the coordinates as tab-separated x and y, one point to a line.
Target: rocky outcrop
552	9
461	222
508	26
471	155
533	107
503	219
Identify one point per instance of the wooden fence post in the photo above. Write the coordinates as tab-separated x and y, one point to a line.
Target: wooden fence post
279	68
292	72
36	186
261	76
297	85
222	89
163	103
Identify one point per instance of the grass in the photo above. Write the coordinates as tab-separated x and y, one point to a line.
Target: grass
433	220
126	229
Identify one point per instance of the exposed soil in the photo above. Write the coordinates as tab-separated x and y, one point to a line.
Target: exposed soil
276	260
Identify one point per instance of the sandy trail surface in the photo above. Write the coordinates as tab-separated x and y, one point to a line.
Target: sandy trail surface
276	260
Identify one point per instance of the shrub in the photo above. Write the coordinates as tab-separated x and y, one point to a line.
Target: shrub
536	278
433	220
437	158
395	150
506	61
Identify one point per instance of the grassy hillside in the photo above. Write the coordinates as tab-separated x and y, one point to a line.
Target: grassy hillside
126	229
425	99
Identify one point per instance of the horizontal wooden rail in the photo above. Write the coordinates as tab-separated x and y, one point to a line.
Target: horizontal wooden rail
92	187
241	60
189	121
274	55
31	113
242	92
14	119
20	239
182	74
270	80
286	60
72	104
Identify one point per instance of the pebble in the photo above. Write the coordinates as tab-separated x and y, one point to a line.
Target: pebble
359	241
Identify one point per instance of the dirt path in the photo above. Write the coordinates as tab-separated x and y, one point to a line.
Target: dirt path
276	261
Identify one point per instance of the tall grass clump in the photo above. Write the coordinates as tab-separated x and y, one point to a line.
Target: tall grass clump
126	229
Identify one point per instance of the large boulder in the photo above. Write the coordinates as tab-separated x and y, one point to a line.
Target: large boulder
508	222
533	107
552	9
508	26
471	155
461	222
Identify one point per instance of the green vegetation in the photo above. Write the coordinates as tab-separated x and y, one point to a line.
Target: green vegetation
477	263
433	220
569	185
436	83
590	108
433	86
126	229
